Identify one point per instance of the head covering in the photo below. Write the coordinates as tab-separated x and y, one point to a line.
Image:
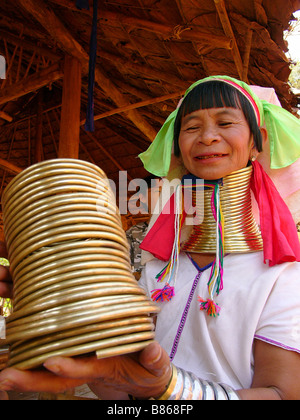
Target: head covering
278	229
282	126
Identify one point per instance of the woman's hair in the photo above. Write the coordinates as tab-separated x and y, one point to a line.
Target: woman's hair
216	94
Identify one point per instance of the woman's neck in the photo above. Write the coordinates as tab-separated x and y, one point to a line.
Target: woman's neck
202	259
240	232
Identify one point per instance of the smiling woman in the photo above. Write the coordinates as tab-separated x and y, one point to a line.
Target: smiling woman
214	143
228	328
216	134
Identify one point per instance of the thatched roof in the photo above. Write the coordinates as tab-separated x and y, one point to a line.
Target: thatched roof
149	52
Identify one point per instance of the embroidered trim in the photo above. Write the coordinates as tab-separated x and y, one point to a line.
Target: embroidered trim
276	343
184	317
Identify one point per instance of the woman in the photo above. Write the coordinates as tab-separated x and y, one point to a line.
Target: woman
239	336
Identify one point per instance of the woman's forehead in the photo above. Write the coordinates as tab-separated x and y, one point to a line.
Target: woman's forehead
216	112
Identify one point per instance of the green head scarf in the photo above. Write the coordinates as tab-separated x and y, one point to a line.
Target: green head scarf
283	130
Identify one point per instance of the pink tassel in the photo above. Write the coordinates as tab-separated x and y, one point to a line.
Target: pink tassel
167	293
209	306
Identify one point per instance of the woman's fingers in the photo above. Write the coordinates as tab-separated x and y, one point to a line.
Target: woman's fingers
3	396
6	290
143	375
6	285
35	381
79	368
155	359
3	250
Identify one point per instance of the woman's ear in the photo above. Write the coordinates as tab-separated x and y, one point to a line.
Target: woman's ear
254	152
264	135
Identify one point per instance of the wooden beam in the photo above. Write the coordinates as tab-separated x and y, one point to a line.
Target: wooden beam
43	13
70	112
179	32
28	45
10	167
122	63
31	83
5	116
222	12
38	151
137	105
109	155
188	33
246	58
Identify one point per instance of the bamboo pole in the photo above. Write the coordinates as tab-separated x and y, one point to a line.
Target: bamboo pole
5	116
247	53
222	12
10	167
122	64
31	83
29	45
109	155
136	105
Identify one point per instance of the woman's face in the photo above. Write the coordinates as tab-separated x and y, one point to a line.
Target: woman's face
215	142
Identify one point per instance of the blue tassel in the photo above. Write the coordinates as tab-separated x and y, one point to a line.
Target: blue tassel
90	124
82	4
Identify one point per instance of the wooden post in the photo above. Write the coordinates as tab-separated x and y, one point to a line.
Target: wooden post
70	112
38	152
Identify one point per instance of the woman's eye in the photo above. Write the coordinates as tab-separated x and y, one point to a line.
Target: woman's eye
194	128
225	123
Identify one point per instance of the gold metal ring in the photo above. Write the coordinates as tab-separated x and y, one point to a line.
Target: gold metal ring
74	292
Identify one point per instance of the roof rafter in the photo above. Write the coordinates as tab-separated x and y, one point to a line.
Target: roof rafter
32	83
53	25
222	12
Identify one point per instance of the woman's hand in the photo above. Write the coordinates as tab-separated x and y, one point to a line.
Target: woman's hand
143	375
6	286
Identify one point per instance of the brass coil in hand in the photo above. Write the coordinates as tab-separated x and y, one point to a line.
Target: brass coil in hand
74	292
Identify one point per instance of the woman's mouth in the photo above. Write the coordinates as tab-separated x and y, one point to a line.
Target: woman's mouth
212	156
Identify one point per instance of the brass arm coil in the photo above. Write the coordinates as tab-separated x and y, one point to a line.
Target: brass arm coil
74	292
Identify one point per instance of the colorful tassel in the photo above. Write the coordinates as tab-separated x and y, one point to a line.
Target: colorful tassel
171	269
215	283
162	274
162	295
209	306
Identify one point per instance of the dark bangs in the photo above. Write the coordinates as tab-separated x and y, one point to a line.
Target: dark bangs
216	94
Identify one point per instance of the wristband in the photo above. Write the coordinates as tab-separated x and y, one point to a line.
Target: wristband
186	386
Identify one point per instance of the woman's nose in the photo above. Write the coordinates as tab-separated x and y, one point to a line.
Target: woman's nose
208	135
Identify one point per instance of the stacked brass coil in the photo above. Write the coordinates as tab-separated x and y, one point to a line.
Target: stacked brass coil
74	292
241	232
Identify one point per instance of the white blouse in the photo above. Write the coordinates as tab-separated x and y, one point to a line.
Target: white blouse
257	301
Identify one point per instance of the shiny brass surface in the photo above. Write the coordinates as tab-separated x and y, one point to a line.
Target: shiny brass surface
74	292
48	204
80	339
49	254
60	314
34	304
65	265
101	315
113	349
18	347
122	349
44	264
88	275
63	235
241	232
